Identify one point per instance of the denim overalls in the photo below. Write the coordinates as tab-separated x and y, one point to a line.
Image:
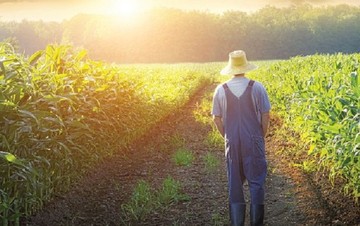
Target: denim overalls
245	149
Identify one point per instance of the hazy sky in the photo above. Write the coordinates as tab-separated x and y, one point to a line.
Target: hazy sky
58	10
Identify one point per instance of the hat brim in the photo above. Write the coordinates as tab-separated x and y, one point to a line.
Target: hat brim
229	70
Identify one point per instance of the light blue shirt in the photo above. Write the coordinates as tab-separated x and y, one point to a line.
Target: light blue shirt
237	86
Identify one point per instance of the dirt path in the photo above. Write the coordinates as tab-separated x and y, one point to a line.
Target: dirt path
97	199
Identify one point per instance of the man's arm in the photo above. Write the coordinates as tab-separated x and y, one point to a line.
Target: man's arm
219	124
265	121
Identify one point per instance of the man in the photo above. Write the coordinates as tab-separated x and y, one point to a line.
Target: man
241	114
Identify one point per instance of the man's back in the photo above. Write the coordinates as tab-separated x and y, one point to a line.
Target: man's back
237	86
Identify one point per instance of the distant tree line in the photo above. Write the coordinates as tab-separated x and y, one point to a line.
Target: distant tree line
172	35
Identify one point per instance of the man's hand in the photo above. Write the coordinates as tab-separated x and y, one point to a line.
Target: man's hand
219	125
265	121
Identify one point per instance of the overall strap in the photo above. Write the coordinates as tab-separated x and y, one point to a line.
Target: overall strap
251	83
225	86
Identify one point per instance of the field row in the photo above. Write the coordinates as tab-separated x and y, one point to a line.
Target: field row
60	113
319	98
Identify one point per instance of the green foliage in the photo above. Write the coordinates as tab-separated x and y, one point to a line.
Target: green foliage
61	112
170	193
202	113
183	157
318	97
219	220
211	161
144	200
205	37
141	202
307	166
214	139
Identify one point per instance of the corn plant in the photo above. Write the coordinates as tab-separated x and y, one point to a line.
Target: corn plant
211	161
183	157
145	199
61	112
318	96
170	192
141	202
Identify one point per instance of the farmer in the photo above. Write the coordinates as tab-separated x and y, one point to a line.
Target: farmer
241	114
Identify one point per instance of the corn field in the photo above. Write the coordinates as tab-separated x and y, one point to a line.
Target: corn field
318	96
61	112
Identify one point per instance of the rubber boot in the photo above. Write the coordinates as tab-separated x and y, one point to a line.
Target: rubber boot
256	215
237	214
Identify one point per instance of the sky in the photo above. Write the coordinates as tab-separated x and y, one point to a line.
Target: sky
58	10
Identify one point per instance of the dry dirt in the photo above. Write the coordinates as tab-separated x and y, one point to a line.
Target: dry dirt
291	197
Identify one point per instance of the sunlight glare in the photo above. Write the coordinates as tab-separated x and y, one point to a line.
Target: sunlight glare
126	8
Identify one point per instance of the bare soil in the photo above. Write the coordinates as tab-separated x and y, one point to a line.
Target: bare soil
292	198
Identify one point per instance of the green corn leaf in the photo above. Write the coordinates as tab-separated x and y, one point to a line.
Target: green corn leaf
354	79
81	55
29	114
10	158
332	128
355	83
35	57
2	67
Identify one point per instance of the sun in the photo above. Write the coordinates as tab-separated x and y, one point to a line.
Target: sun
126	8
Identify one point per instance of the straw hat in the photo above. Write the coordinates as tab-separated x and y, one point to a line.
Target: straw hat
237	64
